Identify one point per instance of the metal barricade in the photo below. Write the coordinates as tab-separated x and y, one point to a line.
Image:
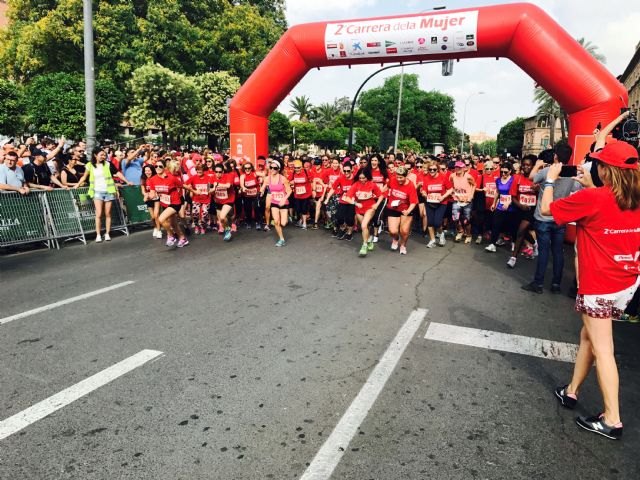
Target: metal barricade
24	219
87	212
64	216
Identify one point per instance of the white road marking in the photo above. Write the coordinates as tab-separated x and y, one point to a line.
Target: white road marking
51	306
333	449
46	407
504	342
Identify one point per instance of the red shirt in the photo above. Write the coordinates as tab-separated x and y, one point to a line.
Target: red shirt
317	180
435	187
341	186
331	175
489	186
251	185
475	175
399	197
378	178
523	190
608	240
225	196
200	185
365	194
288	173
301	185
168	189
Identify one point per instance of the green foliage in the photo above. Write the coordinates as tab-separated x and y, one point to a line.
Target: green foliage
325	115
511	137
301	107
164	99
488	147
56	106
409	145
306	132
426	116
214	88
367	130
280	131
332	138
13	108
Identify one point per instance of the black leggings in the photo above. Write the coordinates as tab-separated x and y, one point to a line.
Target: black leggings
251	211
345	215
435	214
504	222
378	216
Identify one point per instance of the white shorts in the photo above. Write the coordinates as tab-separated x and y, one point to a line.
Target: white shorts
610	305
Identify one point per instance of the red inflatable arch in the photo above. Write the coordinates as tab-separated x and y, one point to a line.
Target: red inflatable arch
521	32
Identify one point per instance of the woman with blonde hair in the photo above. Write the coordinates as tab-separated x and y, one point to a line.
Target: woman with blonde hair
168	186
608	245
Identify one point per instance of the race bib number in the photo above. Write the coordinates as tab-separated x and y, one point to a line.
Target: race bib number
363	195
505	200
319	187
490	191
395	203
165	199
202	189
301	190
251	192
277	198
528	200
433	198
222	194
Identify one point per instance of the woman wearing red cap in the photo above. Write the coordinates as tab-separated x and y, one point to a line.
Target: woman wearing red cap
608	244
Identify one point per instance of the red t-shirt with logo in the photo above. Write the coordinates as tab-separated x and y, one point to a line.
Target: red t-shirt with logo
399	197
251	185
331	175
168	189
378	178
608	240
435	187
317	180
365	194
225	196
200	185
489	186
341	186
523	190
301	185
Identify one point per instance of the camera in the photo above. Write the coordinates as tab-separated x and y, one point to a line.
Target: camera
627	131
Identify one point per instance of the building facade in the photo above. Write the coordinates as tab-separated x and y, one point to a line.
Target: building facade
631	80
537	135
3	13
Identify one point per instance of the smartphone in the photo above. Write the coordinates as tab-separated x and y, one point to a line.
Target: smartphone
569	171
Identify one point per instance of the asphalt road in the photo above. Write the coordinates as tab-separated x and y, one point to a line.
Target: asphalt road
265	349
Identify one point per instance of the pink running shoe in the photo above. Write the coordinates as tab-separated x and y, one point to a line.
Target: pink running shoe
220	229
171	241
183	243
234	228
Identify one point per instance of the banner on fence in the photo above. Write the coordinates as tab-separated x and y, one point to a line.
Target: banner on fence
22	219
137	210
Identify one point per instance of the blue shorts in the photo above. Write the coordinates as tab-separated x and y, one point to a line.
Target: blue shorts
104	196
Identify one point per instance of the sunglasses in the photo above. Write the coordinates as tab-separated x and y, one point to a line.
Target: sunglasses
433	169
488	169
209	161
505	171
218	171
246	169
443	169
347	171
159	166
274	168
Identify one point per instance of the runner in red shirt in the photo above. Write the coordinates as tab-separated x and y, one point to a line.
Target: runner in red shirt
345	212
319	188
302	190
249	189
380	177
402	198
524	194
488	192
434	190
331	201
199	187
608	244
366	196
152	202
224	197
168	187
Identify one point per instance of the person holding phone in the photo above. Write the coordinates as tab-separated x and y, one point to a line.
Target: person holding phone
550	235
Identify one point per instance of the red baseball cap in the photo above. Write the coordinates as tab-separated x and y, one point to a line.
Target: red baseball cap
618	154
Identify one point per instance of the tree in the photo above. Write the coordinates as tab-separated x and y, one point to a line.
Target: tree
301	107
56	106
280	131
214	88
409	145
164	99
325	115
488	147
13	108
511	136
343	104
331	138
306	132
367	130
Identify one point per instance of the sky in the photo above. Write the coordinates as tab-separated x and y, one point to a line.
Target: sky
508	91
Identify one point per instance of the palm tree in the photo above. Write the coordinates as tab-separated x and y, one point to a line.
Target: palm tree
549	108
302	108
325	114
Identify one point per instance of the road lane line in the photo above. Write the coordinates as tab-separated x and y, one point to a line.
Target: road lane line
504	342
333	449
46	407
51	306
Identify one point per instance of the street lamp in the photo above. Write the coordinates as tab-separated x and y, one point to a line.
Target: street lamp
89	79
464	119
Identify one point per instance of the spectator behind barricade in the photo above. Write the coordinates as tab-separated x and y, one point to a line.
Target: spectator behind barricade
102	188
72	172
131	164
549	234
38	175
11	175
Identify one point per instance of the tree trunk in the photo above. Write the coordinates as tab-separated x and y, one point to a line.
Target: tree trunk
164	138
552	130
212	141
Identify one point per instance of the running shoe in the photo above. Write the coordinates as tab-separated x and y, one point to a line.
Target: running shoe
596	424
555	288
155	233
227	235
527	252
535	250
258	226
348	237
374	239
511	263
248	227
107	238
314	227
304	226
371	245
158	234
500	242
364	250
234	227
458	238
491	248
220	229
403	250
567	400
203	231
467	240
431	244
183	243
98	238
280	243
394	245
532	287
328	226
341	234
171	241
266	228
479	240
441	240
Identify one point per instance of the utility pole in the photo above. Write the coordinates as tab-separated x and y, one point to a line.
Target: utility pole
89	79
395	143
